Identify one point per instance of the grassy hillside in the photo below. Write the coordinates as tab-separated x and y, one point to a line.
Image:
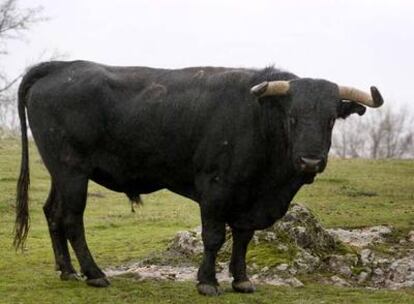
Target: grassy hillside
351	193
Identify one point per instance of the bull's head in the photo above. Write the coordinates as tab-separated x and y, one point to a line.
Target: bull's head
311	107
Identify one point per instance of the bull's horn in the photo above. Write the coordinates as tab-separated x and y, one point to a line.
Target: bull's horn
268	88
374	100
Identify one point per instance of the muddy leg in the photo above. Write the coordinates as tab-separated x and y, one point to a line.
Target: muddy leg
213	234
57	234
241	282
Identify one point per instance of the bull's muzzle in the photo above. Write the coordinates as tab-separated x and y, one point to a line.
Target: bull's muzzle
311	165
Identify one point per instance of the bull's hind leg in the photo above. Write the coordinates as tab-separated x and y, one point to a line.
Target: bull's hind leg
72	189
53	215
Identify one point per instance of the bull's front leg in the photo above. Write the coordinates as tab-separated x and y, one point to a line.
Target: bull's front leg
241	239
213	235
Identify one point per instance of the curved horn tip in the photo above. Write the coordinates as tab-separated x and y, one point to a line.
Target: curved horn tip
259	89
376	97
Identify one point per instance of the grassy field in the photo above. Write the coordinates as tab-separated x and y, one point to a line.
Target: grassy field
351	193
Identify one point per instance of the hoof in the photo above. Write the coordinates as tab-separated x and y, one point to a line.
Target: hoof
208	290
99	282
244	287
70	276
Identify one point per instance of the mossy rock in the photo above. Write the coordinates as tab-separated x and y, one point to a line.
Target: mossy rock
298	231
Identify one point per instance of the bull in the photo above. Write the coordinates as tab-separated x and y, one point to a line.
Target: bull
239	142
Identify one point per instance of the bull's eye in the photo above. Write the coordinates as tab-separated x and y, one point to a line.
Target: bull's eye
331	123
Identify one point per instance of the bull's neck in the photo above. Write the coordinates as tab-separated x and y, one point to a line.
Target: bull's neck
278	162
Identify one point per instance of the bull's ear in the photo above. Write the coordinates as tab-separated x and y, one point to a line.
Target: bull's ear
347	108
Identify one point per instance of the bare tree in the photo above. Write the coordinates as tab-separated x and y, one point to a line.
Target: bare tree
347	140
390	134
384	133
14	22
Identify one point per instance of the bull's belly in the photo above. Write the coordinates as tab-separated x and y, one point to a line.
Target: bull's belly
133	185
123	182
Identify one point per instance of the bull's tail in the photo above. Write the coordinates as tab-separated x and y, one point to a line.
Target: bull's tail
22	222
22	196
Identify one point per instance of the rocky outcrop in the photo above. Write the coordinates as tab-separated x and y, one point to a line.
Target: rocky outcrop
296	247
362	237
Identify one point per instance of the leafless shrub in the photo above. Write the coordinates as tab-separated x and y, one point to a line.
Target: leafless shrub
382	133
14	23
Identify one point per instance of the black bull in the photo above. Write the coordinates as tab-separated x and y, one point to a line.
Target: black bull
198	132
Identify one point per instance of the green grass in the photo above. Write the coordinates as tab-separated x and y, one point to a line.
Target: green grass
358	193
351	193
268	255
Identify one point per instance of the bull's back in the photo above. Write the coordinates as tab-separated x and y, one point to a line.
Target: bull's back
121	126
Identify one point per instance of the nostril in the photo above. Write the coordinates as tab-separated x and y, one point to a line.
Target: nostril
312	162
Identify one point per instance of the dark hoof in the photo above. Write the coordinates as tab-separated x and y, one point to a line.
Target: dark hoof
99	282
208	290
244	287
70	276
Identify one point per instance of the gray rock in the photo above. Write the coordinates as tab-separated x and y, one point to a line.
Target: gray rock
308	248
306	262
282	267
302	228
278	281
264	269
362	237
402	270
340	264
338	281
293	270
367	257
394	286
294	282
345	271
378	272
411	236
352	259
378	277
362	277
187	242
282	247
403	241
270	236
382	262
